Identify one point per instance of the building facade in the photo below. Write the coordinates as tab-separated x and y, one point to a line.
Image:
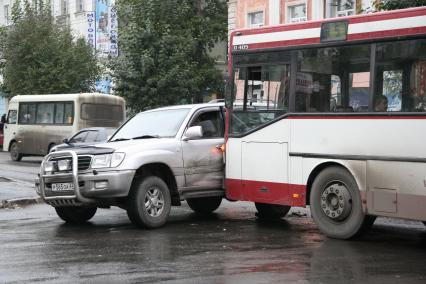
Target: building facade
259	13
94	20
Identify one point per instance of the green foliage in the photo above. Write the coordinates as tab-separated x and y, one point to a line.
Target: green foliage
41	57
381	5
164	51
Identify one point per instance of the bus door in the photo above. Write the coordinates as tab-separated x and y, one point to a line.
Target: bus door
10	127
260	95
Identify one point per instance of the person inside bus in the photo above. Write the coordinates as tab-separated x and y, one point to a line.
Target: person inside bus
381	104
46	118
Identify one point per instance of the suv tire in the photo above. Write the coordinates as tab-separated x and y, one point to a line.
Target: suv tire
204	205
271	211
76	215
149	202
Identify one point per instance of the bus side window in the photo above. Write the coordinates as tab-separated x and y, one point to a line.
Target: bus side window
69	113
400	75
333	79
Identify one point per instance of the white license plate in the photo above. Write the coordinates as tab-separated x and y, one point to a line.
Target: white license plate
58	187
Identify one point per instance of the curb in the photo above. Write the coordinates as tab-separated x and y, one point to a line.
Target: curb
19	202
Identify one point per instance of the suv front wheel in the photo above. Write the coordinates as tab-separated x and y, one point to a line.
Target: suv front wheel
76	215
149	202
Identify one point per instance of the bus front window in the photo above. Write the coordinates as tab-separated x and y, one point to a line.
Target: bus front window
260	94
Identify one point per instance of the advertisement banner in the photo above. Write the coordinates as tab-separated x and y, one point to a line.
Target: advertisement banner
102	27
113	31
91	29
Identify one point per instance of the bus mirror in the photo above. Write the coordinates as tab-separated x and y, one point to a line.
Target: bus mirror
192	133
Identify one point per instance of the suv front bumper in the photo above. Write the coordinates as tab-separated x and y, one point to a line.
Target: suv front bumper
88	186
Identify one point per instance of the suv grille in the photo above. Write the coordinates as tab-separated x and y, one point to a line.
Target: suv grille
84	162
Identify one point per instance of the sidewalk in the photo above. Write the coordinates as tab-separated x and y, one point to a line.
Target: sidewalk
14	193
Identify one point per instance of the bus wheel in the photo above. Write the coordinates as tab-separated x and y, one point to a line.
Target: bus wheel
268	211
76	215
14	152
336	204
149	202
205	205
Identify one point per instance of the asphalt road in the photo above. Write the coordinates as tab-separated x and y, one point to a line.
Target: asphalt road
26	170
231	246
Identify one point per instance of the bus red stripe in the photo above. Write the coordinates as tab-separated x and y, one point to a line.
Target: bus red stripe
266	192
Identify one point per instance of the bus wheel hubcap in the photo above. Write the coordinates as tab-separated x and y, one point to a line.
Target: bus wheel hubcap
336	201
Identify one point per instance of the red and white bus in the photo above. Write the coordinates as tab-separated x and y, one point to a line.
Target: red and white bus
330	114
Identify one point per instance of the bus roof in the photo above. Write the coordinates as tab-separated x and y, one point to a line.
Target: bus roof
60	97
382	25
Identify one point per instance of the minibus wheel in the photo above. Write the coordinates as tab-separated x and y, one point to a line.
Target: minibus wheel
271	210
149	202
76	214
336	204
204	205
14	152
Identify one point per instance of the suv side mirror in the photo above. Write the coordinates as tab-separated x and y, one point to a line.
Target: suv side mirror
66	141
192	133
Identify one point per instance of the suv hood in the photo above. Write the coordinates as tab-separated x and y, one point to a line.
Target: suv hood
134	146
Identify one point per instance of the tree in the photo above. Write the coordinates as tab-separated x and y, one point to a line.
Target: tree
42	57
397	4
164	50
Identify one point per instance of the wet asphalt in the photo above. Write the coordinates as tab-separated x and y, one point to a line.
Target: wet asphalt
231	246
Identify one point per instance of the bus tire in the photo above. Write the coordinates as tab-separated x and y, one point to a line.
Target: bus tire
76	214
14	152
269	211
336	204
149	202
204	205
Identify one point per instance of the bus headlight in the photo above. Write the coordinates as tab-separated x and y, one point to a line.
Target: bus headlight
107	161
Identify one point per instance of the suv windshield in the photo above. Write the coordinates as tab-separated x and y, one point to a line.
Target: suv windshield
152	124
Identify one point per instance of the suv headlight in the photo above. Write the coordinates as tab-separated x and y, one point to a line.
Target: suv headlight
107	161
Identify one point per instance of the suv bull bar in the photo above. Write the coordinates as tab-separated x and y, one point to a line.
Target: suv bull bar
77	199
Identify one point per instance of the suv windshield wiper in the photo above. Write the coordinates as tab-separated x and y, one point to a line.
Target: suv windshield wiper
146	137
120	139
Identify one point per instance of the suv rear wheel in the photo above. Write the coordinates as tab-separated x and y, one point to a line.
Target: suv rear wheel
76	215
149	202
204	205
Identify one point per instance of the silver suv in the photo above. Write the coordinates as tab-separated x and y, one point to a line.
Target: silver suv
155	160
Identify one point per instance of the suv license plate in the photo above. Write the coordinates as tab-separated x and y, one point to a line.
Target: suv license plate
58	187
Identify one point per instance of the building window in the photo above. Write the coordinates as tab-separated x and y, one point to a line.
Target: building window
297	13
6	14
80	6
255	19
342	8
64	7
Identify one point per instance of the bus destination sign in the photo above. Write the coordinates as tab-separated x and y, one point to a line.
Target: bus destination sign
334	31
